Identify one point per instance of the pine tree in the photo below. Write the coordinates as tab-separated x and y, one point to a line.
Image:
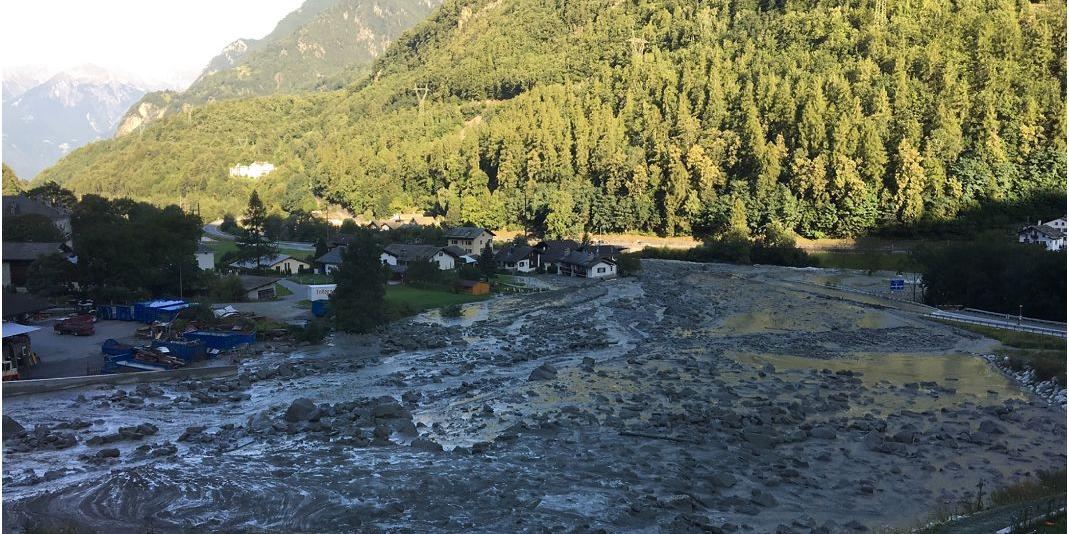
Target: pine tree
487	264
358	301
253	242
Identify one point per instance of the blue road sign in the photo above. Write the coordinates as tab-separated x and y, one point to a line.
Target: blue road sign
898	284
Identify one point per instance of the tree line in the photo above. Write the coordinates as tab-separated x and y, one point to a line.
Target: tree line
673	117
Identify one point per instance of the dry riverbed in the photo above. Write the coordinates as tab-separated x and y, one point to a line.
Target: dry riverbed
689	398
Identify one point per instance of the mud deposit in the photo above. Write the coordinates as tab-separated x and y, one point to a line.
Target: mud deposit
690	398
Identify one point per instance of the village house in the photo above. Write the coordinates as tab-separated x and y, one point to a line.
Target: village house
460	256
331	261
205	257
401	255
611	252
15	205
17	258
550	252
517	258
586	265
280	263
1057	224
1047	234
472	240
259	287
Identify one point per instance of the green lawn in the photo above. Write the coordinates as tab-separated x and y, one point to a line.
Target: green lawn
222	247
406	300
282	291
312	278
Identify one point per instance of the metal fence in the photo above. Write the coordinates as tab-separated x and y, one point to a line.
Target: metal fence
998	324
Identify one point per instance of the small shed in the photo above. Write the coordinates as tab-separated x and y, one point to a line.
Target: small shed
259	287
473	287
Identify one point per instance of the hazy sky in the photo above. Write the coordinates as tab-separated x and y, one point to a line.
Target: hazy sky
152	39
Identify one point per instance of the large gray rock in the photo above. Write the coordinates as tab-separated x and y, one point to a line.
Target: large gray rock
389	408
302	409
11	427
424	444
823	432
543	372
260	422
991	427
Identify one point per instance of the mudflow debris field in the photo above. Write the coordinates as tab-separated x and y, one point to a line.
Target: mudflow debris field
686	398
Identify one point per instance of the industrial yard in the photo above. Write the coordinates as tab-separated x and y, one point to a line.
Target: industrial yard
690	397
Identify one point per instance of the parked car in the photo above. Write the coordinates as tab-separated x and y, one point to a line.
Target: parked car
79	325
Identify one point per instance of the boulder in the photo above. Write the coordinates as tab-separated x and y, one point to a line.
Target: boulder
823	432
389	408
11	427
543	372
260	422
424	444
108	453
991	427
302	409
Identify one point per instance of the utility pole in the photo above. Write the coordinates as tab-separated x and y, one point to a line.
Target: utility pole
421	94
638	44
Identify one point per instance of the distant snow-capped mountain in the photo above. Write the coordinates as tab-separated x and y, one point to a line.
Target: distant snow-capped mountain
67	110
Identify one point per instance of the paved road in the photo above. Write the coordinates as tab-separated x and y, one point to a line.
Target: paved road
74	355
997	321
213	231
282	309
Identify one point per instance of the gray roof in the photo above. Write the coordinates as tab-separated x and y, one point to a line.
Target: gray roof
256	282
584	259
407	253
204	249
332	257
513	253
605	251
553	250
455	251
466	232
16	304
16	251
1048	231
22	205
265	261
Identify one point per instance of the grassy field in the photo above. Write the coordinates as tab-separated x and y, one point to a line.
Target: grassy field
1045	354
312	278
222	247
406	300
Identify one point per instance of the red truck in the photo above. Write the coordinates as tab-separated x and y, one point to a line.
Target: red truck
79	325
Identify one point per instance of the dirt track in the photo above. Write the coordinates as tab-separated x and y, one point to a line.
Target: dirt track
690	397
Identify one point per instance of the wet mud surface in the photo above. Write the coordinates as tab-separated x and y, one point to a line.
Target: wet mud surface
689	398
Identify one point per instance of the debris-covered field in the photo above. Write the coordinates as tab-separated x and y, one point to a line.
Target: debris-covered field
689	398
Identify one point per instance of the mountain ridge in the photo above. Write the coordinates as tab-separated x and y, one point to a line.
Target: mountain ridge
322	44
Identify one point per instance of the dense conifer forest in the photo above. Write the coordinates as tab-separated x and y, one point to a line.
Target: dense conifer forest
671	117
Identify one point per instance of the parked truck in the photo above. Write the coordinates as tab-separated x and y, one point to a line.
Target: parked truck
78	325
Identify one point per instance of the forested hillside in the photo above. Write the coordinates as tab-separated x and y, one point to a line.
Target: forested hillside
670	117
323	45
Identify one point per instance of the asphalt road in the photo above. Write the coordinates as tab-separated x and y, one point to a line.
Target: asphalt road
997	321
68	355
213	231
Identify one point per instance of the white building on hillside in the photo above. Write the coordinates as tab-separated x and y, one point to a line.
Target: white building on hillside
256	170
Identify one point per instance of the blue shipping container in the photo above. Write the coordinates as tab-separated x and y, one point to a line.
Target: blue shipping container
187	351
222	340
